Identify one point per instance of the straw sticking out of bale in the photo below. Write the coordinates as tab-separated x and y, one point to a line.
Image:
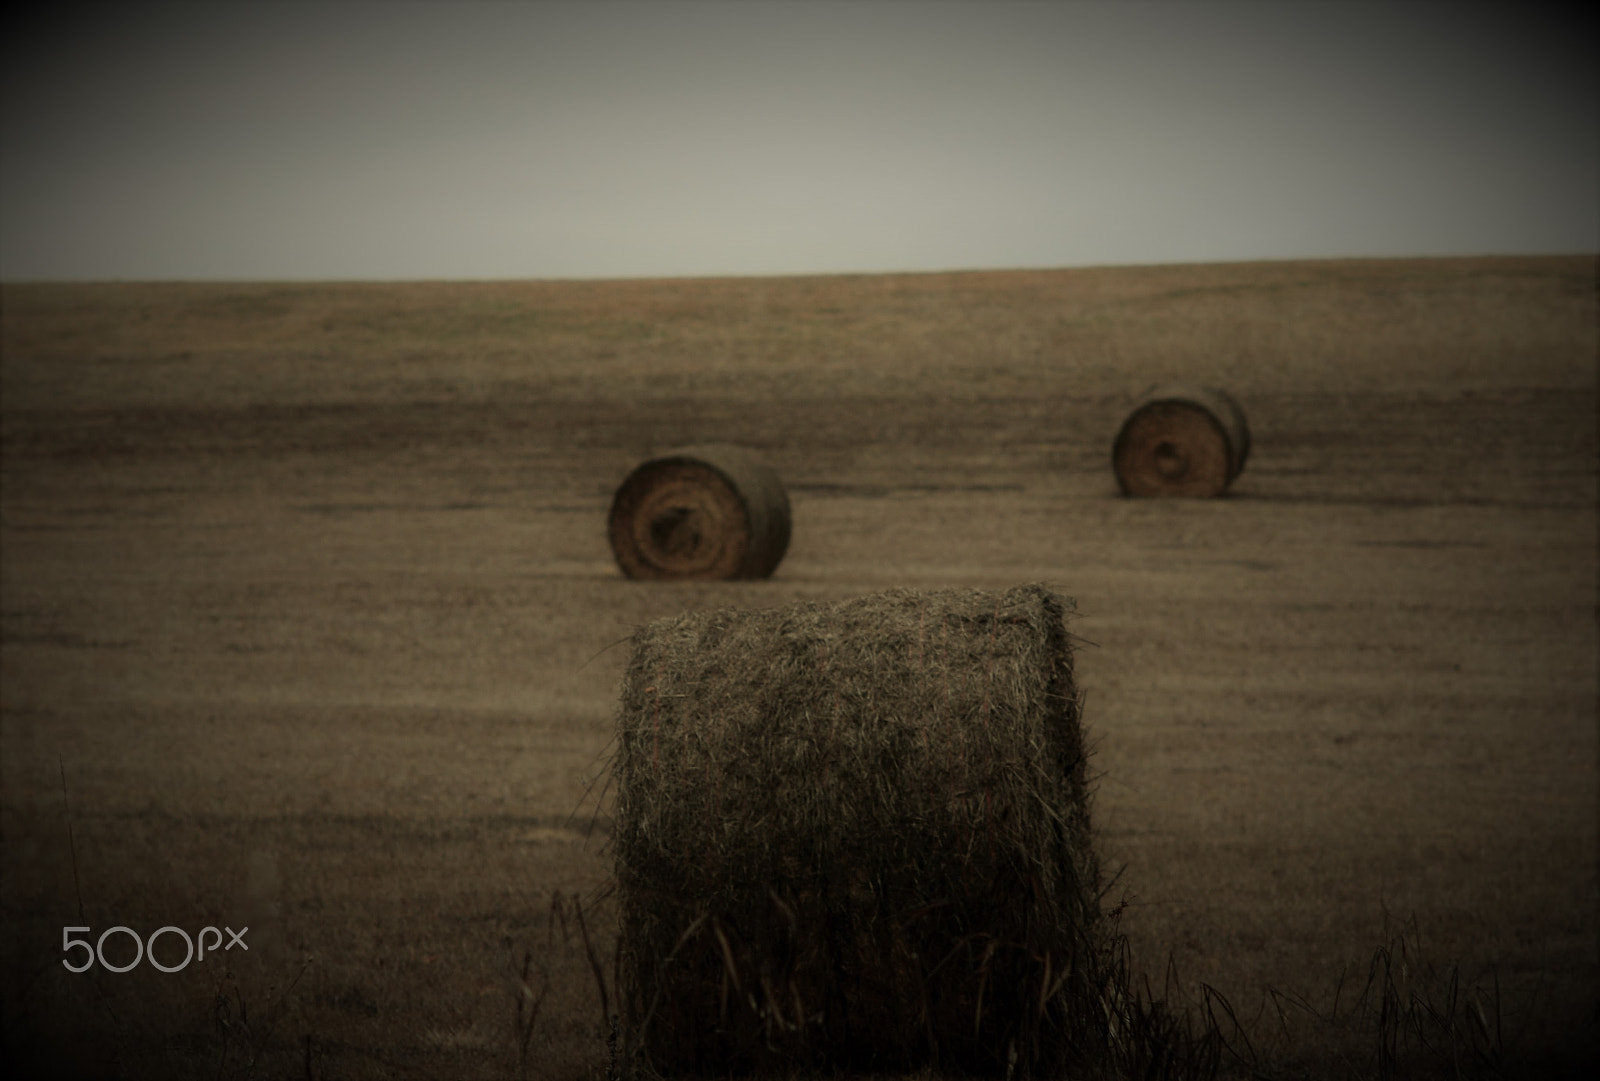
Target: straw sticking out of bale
857	836
700	512
1181	441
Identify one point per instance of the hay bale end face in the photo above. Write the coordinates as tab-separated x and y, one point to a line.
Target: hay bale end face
700	512
1181	441
856	836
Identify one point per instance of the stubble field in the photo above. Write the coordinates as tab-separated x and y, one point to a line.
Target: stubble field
310	625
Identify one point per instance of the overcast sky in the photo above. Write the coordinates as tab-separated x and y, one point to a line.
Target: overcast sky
342	140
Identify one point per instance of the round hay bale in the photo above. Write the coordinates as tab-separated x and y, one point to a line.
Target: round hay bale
856	837
700	512
1181	441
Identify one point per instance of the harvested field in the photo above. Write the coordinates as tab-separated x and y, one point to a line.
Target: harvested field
310	624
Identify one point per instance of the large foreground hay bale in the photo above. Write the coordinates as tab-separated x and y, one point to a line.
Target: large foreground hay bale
700	512
857	836
1181	441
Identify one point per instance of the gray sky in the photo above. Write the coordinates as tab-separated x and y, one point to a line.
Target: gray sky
341	140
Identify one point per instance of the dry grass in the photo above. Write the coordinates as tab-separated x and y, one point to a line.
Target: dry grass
857	836
700	512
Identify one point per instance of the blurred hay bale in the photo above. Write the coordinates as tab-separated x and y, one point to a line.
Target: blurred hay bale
700	512
1181	441
857	836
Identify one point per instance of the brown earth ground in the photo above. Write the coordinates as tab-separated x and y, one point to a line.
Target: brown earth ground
310	626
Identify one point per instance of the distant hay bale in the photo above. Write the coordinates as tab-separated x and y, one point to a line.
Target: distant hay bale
1181	441
857	836
700	512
